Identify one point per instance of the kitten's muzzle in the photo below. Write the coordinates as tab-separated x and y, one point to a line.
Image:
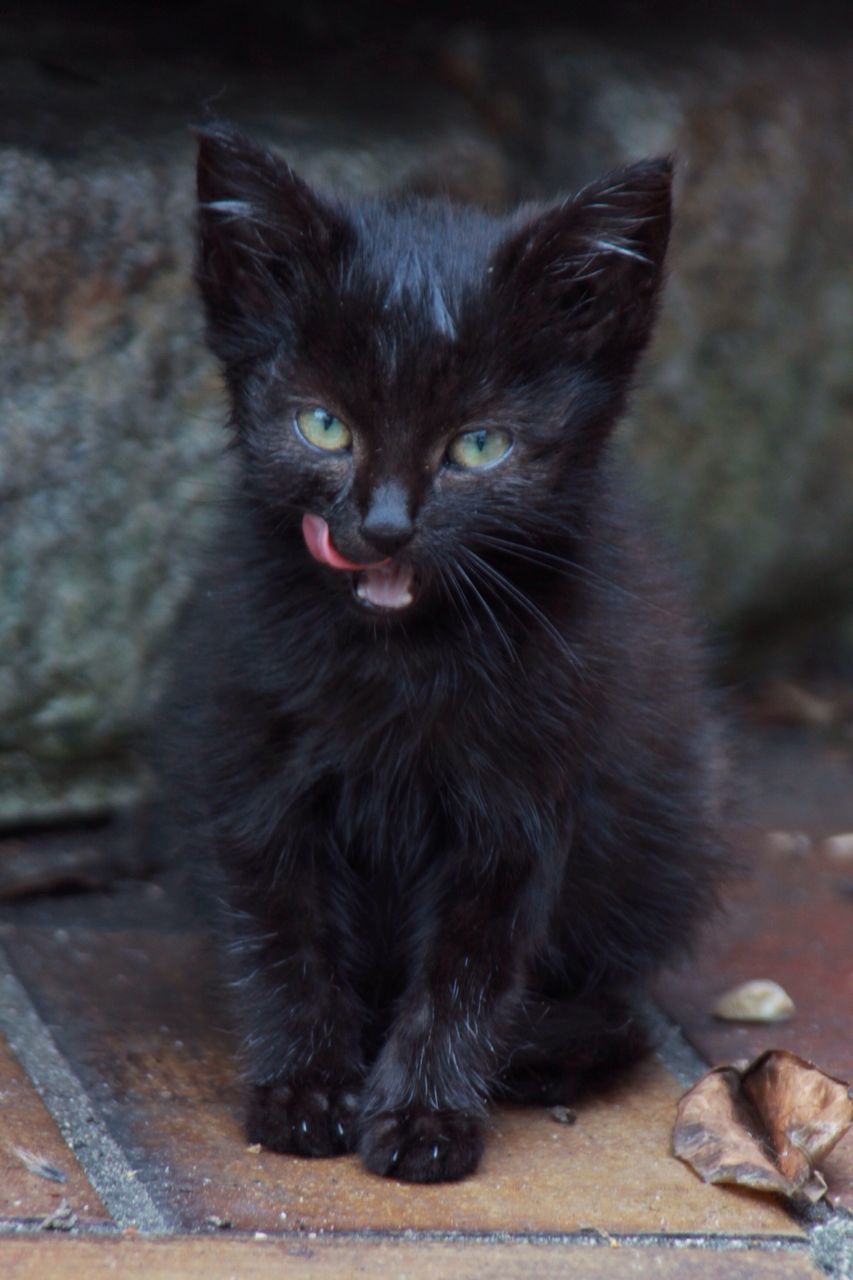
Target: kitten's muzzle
383	585
387	523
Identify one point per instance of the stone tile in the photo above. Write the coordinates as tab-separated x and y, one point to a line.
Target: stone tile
129	1010
25	1124
303	1258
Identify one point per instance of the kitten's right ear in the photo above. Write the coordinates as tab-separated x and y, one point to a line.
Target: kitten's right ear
588	271
264	239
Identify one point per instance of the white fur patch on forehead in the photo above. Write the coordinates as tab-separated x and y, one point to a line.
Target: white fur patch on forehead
415	282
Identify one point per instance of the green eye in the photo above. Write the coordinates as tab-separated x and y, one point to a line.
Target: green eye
323	430
479	448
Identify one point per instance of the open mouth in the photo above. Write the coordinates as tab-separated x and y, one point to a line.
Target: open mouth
384	586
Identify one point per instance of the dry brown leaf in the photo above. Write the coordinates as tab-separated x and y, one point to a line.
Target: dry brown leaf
713	1134
805	1110
766	1124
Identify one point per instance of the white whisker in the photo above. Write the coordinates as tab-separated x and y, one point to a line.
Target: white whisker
504	638
502	583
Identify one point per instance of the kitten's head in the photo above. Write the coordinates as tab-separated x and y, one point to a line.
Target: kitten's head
414	382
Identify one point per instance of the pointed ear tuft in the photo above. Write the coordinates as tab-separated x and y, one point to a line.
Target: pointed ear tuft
264	236
588	271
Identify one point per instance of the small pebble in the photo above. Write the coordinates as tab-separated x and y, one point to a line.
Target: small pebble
839	847
563	1115
761	1000
254	1148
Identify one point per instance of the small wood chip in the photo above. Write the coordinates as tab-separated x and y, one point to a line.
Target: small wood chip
839	847
38	1165
63	1218
563	1115
254	1148
760	1000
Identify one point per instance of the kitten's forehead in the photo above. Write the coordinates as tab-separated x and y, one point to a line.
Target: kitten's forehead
425	254
415	279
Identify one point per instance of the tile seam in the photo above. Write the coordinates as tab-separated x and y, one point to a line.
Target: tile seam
591	1238
671	1046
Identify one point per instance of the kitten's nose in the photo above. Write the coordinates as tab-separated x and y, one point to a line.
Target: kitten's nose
387	525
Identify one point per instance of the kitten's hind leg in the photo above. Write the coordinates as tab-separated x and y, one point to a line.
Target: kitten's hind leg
563	1048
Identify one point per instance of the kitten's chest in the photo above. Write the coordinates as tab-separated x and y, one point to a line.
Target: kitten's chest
400	757
388	805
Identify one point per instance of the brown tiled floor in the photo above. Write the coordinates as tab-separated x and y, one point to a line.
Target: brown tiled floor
148	1048
206	1259
118	982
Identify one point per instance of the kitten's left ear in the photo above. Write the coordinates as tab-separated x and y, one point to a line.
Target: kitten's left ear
265	241
589	270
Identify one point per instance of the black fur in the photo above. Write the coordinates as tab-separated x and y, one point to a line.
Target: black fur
451	840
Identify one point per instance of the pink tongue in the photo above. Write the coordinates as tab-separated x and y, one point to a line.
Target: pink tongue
318	540
384	583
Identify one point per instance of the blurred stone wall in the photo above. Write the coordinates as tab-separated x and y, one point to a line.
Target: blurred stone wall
110	449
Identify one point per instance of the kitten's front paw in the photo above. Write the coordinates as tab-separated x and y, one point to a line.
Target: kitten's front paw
303	1118
420	1145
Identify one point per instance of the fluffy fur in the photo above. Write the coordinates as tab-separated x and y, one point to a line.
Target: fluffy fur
449	841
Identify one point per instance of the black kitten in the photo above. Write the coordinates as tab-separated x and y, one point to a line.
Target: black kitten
451	757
